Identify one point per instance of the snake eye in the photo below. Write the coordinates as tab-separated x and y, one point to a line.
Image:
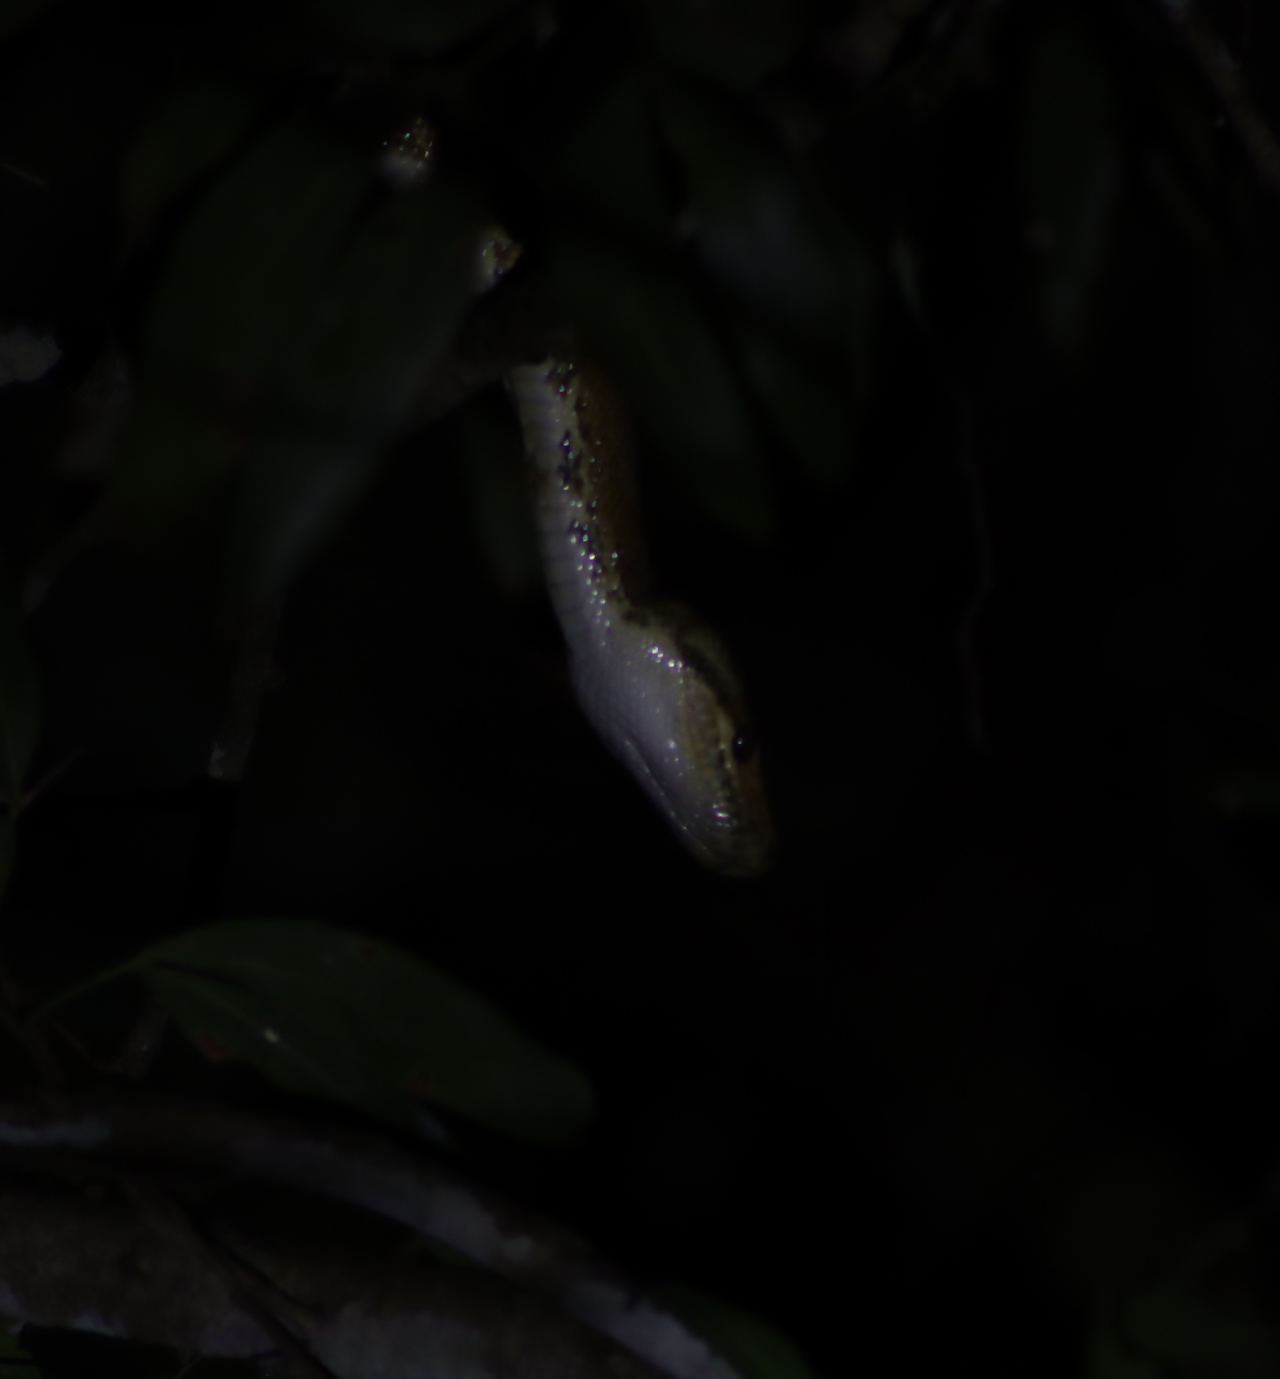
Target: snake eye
744	746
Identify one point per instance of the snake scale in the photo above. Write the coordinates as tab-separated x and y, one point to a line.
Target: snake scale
655	682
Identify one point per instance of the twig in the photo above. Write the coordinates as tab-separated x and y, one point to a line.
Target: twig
1224	76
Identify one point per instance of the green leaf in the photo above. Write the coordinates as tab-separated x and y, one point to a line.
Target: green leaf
736	41
385	311
813	417
613	162
650	335
417	26
755	1349
20	704
172	456
323	1011
186	139
290	498
757	228
238	296
1072	176
287	340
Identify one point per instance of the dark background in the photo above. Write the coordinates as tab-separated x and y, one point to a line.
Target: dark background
1007	1004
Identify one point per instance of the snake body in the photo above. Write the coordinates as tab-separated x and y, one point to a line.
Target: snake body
655	682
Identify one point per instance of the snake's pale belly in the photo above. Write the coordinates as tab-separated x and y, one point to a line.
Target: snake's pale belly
654	681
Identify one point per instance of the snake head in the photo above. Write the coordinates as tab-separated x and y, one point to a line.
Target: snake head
678	718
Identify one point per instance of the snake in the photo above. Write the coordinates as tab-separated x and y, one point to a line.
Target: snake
655	682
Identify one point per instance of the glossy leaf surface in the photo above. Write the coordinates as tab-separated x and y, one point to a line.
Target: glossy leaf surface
813	416
330	1013
189	136
754	225
239	294
385	309
173	455
613	161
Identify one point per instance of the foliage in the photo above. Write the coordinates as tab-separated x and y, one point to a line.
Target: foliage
948	329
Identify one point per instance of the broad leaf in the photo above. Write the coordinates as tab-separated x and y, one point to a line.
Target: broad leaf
290	496
186	139
758	229
613	160
323	1011
385	310
172	456
239	293
811	414
287	340
384	313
